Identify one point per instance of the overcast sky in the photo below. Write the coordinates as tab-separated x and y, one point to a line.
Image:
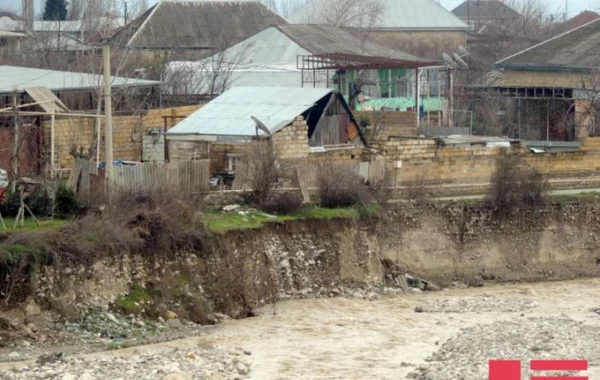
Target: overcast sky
556	6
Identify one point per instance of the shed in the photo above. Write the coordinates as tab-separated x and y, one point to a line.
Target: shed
232	115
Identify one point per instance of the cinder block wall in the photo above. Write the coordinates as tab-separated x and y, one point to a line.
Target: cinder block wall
291	142
127	134
421	158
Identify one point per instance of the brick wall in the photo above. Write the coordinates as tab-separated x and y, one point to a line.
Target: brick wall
128	132
421	44
29	158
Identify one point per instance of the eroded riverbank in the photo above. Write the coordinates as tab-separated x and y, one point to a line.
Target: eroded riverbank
449	334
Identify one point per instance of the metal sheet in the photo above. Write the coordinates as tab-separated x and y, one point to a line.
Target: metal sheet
230	114
45	97
17	78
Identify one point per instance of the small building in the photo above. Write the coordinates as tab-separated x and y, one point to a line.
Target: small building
78	91
315	56
295	119
195	29
552	89
420	27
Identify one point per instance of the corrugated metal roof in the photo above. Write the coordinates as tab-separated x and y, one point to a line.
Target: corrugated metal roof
575	50
488	9
397	15
17	78
329	40
197	24
230	113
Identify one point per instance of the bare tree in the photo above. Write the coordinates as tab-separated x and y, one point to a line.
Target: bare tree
498	36
361	14
208	77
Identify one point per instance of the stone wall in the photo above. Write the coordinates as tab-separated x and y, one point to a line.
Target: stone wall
386	124
128	134
424	159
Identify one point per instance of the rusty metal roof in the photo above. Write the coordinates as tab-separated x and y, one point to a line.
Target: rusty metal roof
338	44
576	50
197	24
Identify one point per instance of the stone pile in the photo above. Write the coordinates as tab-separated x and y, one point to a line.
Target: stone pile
466	356
201	364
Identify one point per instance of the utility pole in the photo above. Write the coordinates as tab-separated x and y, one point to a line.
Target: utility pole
15	163
108	115
125	13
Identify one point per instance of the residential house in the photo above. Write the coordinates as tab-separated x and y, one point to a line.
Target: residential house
195	29
420	27
575	22
555	86
297	120
314	56
479	13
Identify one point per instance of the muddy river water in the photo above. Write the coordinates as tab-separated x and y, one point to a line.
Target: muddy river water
434	335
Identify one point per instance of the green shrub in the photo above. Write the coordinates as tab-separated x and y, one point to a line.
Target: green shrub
66	202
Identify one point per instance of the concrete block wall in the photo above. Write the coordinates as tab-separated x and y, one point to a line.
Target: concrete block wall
128	132
421	158
291	142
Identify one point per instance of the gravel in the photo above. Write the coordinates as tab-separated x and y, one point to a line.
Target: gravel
466	356
477	304
203	363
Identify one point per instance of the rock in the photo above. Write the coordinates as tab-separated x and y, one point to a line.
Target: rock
169	315
230	208
419	309
191	356
178	376
112	318
49	358
14	355
246	352
68	376
139	323
242	368
174	324
372	296
415	290
86	376
357	295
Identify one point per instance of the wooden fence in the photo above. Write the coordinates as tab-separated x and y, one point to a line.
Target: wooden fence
304	176
184	175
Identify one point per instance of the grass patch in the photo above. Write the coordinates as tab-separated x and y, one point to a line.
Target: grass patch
31	226
220	222
581	197
134	302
